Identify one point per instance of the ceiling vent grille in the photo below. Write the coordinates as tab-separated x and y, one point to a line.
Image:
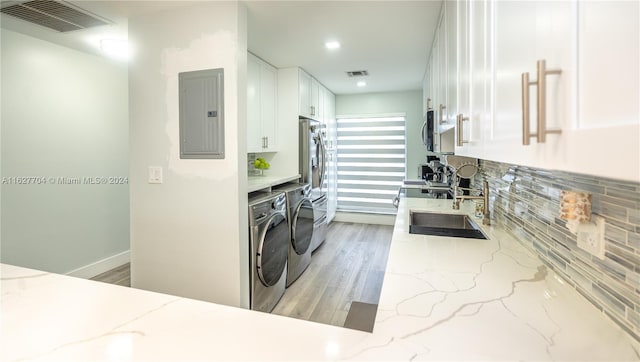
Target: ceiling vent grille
57	15
357	73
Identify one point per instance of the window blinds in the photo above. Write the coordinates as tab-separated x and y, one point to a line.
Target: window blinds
371	162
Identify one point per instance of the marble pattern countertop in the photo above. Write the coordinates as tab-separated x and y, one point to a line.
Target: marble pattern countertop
264	182
442	299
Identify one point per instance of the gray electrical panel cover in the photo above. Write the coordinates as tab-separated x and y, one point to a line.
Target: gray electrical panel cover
202	113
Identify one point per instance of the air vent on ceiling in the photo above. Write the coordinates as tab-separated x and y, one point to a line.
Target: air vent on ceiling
358	73
57	15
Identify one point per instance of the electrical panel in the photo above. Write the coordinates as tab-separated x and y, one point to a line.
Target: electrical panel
202	114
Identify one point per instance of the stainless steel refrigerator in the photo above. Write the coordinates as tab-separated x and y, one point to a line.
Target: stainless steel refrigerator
313	168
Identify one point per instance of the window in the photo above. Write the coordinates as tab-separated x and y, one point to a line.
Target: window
371	161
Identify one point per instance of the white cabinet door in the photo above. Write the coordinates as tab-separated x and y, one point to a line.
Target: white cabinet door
443	100
304	93
605	138
464	76
452	62
478	79
261	106
435	90
315	100
525	32
309	93
330	120
514	53
254	128
268	101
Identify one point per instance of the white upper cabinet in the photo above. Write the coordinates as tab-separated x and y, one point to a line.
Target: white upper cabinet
526	32
463	36
475	108
604	139
443	101
261	106
309	91
549	84
451	16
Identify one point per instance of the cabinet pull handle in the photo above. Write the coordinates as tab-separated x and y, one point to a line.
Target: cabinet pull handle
459	119
541	84
266	139
428	104
526	132
440	112
542	100
424	142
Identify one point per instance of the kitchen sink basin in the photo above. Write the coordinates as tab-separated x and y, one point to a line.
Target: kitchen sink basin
453	225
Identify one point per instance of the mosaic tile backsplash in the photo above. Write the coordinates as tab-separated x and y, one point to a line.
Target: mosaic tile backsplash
526	201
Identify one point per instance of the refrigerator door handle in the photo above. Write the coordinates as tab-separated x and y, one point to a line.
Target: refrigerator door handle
322	163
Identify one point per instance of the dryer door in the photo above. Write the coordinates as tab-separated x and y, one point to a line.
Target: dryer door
271	256
302	227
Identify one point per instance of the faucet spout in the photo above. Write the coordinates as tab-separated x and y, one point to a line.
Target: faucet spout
486	220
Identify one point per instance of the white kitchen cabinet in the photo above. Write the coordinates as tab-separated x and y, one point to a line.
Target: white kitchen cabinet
309	91
261	106
526	32
329	120
442	86
592	55
436	86
476	81
604	139
464	77
451	16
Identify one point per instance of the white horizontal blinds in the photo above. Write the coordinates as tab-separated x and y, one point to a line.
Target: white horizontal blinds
371	162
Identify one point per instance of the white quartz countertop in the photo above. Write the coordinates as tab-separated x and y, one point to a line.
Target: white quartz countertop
262	182
442	299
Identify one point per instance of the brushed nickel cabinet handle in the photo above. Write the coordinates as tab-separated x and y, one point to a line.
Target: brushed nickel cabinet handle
542	100
440	112
459	119
526	131
541	105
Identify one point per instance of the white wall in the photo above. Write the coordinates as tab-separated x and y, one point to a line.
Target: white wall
409	102
189	234
64	114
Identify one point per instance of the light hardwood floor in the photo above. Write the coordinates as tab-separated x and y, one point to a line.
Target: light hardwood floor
120	276
349	266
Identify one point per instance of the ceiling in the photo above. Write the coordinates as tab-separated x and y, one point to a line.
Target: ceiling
389	39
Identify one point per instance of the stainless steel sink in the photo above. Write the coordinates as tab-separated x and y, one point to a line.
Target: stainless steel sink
453	225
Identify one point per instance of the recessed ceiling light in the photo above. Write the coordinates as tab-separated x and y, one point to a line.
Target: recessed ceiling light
361	83
332	45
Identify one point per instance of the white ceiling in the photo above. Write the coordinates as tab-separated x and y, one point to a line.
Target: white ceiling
390	39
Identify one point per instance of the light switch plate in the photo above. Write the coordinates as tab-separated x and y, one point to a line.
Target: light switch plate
155	175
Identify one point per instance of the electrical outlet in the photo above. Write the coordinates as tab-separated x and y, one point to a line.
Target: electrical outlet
591	236
155	175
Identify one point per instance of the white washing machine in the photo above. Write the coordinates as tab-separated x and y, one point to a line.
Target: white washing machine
300	215
269	248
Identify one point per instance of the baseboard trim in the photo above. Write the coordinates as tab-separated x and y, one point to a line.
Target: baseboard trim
101	266
364	218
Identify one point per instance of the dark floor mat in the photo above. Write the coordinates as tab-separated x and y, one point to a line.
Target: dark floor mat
361	316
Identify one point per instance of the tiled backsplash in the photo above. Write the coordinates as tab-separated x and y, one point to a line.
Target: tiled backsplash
526	201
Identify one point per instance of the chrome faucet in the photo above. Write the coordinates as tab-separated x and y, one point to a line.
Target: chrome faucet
486	220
